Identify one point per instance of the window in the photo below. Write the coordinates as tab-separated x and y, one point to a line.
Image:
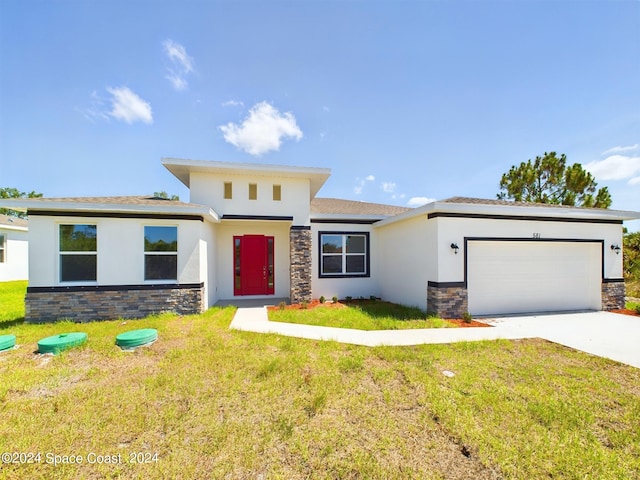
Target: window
228	190
344	254
160	253
277	193
3	248
253	191
78	253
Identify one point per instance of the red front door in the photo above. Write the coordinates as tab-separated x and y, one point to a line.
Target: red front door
253	265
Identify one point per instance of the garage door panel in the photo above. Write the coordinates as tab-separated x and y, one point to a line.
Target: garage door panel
522	276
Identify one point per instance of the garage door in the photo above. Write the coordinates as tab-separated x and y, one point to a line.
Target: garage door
533	276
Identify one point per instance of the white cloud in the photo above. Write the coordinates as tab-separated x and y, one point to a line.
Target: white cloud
181	61
634	181
263	130
129	107
619	149
233	103
388	187
614	167
361	182
419	201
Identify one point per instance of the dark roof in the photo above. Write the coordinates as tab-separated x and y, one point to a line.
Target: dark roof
485	201
337	206
13	221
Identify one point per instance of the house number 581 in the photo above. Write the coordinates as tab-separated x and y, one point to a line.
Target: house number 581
536	235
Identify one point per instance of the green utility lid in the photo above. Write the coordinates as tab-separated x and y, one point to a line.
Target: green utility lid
57	343
7	341
136	338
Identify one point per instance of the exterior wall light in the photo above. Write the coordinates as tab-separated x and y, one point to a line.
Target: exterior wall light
616	248
454	247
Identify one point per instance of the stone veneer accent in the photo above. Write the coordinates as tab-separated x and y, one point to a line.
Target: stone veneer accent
84	304
447	301
613	295
300	264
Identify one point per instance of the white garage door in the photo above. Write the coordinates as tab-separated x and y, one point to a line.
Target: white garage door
536	276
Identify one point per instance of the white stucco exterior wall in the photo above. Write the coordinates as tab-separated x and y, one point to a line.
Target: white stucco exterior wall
120	254
406	259
348	286
208	189
16	255
454	230
227	230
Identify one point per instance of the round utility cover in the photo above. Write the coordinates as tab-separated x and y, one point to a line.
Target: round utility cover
57	343
136	338
7	341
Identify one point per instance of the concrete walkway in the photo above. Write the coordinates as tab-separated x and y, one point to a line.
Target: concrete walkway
604	334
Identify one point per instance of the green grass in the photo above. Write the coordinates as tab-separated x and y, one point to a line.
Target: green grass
367	315
215	403
12	305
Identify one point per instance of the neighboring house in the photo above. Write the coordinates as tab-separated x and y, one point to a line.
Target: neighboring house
259	231
14	249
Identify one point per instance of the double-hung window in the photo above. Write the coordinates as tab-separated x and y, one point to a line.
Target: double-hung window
3	248
344	254
78	253
160	253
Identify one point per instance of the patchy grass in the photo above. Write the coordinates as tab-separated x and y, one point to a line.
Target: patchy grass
367	315
214	403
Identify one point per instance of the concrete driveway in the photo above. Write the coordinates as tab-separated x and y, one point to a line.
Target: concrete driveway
605	334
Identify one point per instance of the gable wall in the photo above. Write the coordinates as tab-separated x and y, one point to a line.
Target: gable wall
208	189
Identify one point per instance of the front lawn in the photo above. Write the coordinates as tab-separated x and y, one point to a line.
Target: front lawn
12	301
364	315
207	402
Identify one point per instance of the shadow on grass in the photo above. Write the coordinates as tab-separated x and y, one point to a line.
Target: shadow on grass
381	309
11	323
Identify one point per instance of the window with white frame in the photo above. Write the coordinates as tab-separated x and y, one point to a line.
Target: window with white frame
78	246
3	248
160	253
344	254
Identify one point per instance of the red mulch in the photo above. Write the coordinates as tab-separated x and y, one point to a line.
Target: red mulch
461	323
626	311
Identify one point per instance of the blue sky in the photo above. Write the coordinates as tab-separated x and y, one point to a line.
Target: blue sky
404	100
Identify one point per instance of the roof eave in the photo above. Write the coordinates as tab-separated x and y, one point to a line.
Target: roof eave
26	205
346	216
515	210
536	211
182	168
